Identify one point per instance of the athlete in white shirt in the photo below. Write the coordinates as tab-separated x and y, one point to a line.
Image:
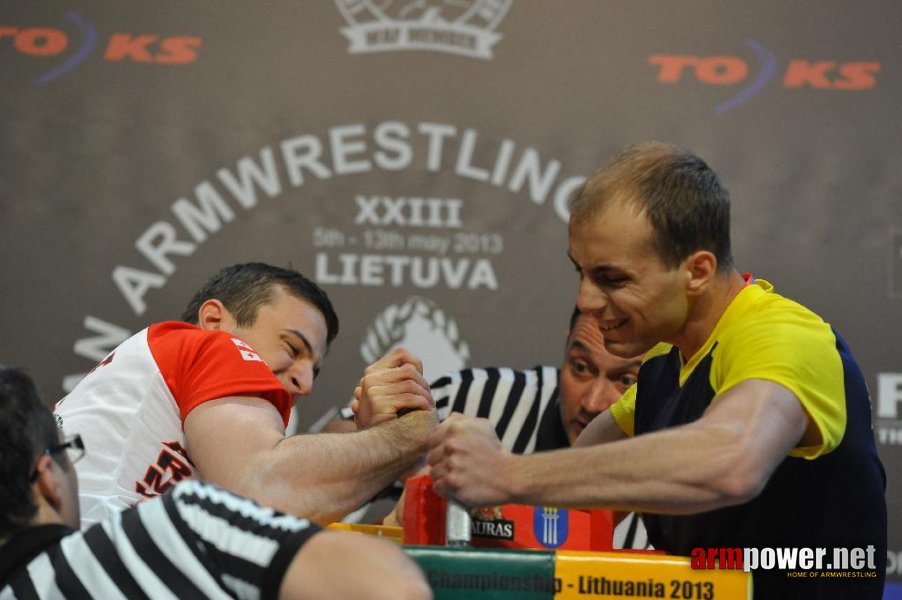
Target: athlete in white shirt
210	397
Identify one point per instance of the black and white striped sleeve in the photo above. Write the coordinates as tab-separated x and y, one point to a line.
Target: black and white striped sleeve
248	546
198	541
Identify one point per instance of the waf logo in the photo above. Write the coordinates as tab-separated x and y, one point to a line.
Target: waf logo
73	45
752	76
462	27
419	325
550	525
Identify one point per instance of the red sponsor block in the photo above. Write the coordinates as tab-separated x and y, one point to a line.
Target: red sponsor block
505	526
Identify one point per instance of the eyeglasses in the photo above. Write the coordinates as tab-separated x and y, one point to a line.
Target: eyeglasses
73	446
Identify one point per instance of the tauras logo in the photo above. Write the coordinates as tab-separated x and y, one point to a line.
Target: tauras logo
462	27
420	326
489	522
502	529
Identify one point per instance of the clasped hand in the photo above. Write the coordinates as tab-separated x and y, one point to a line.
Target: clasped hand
390	387
468	463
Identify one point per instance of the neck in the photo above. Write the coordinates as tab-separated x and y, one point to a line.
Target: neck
44	516
705	312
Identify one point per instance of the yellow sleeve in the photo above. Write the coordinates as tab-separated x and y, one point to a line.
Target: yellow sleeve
624	411
796	349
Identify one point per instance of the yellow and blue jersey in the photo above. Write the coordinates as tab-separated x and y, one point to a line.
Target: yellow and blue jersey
831	494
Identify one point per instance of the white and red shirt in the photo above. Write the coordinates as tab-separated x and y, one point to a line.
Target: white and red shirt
130	409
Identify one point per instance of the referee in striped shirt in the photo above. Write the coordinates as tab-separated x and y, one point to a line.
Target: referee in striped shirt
198	541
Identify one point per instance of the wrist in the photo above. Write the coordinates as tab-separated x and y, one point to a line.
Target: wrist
513	483
414	428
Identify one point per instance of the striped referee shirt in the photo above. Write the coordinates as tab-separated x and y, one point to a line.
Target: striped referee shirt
524	407
198	541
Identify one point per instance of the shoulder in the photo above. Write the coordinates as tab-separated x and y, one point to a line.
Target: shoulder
763	327
772	338
760	308
176	345
172	333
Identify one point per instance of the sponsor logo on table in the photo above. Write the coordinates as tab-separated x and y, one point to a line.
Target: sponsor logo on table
489	522
550	525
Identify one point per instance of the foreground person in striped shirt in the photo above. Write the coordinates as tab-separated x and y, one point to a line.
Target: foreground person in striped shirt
198	541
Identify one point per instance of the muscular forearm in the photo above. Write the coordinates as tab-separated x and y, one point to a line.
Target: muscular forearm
678	471
325	476
723	458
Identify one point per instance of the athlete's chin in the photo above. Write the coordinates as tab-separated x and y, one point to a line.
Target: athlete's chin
625	348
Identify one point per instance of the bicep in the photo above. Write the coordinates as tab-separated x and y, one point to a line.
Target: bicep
601	430
226	437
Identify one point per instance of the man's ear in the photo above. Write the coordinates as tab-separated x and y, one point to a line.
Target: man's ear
45	486
701	268
214	316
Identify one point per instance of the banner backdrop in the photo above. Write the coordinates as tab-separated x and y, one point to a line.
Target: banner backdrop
415	157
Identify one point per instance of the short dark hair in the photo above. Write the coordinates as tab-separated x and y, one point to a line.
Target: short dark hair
244	288
687	206
26	428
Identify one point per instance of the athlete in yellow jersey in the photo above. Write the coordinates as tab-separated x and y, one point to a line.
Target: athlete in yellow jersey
749	426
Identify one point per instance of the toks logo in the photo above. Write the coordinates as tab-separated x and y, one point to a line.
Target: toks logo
119	47
731	71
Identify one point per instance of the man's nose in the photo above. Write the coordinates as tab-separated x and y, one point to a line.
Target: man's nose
600	396
300	379
590	299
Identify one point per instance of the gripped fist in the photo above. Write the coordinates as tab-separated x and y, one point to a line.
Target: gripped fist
468	463
391	386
